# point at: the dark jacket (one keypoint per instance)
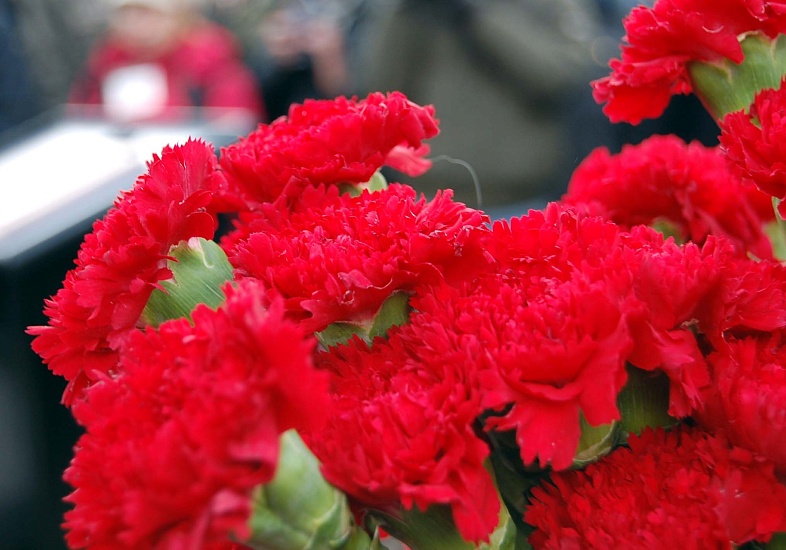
(500, 74)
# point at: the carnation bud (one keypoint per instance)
(298, 509)
(725, 87)
(595, 442)
(644, 401)
(393, 312)
(199, 269)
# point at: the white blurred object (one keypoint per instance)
(62, 178)
(54, 180)
(136, 92)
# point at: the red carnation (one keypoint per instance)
(176, 443)
(675, 283)
(121, 262)
(546, 332)
(555, 243)
(402, 432)
(337, 258)
(755, 143)
(750, 300)
(556, 356)
(664, 39)
(748, 394)
(342, 141)
(679, 489)
(663, 179)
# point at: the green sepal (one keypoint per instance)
(376, 183)
(514, 481)
(668, 229)
(200, 268)
(644, 401)
(393, 312)
(434, 529)
(725, 87)
(360, 540)
(595, 442)
(337, 334)
(777, 236)
(776, 232)
(777, 542)
(298, 509)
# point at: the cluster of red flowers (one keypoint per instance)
(121, 262)
(337, 258)
(328, 142)
(663, 40)
(646, 495)
(527, 329)
(754, 144)
(175, 443)
(688, 190)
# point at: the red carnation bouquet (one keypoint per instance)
(354, 366)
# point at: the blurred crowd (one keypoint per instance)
(509, 78)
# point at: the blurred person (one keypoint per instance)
(502, 75)
(56, 37)
(42, 45)
(299, 49)
(160, 56)
(18, 97)
(307, 50)
(304, 54)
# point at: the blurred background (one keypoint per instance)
(90, 89)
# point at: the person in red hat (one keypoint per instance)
(159, 59)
